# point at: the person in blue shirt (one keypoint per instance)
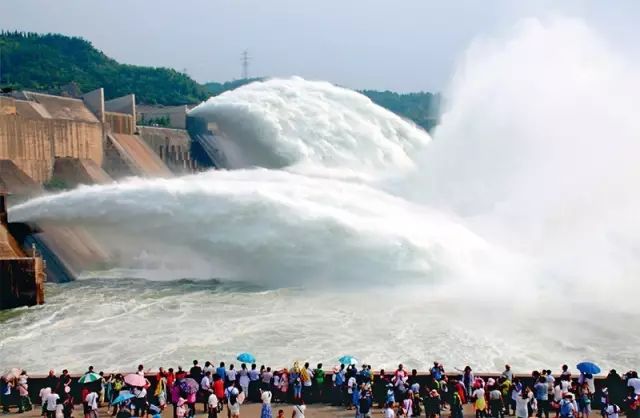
(541, 391)
(221, 371)
(437, 371)
(338, 385)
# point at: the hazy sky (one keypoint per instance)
(403, 45)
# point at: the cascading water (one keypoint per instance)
(346, 229)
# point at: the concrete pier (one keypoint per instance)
(21, 276)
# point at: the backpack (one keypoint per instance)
(566, 409)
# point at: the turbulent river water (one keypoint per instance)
(511, 235)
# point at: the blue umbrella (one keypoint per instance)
(246, 358)
(348, 360)
(588, 367)
(121, 398)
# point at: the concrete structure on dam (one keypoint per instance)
(22, 276)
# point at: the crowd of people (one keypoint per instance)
(401, 394)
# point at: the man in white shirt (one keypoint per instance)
(206, 389)
(52, 401)
(44, 392)
(389, 412)
(634, 382)
(92, 404)
(212, 404)
(231, 375)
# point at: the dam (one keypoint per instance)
(52, 143)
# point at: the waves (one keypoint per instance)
(520, 212)
(285, 122)
(295, 229)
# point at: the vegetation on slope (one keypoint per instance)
(52, 62)
(57, 64)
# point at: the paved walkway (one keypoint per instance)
(252, 410)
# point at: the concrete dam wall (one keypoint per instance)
(51, 143)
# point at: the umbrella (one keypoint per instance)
(348, 360)
(588, 367)
(188, 385)
(122, 397)
(246, 358)
(89, 378)
(12, 373)
(135, 380)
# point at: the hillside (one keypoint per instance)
(55, 64)
(51, 62)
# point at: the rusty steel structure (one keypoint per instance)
(22, 276)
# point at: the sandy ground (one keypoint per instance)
(252, 410)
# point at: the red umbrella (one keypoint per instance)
(135, 380)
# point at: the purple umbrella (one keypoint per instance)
(188, 385)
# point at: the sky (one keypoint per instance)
(401, 45)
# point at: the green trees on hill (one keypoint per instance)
(422, 108)
(55, 63)
(51, 62)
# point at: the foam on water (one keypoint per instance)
(497, 241)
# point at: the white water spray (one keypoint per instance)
(517, 219)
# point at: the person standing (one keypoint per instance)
(51, 381)
(206, 389)
(244, 380)
(480, 402)
(507, 373)
(266, 379)
(221, 371)
(208, 367)
(615, 384)
(212, 405)
(231, 376)
(388, 411)
(307, 383)
(266, 412)
(338, 380)
(24, 403)
(495, 402)
(432, 405)
(254, 383)
(437, 371)
(233, 406)
(91, 405)
(522, 404)
(298, 409)
(467, 380)
(567, 407)
(457, 405)
(160, 392)
(196, 372)
(51, 404)
(541, 390)
(633, 381)
(319, 383)
(407, 404)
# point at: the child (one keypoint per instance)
(59, 409)
(280, 413)
(212, 405)
(181, 411)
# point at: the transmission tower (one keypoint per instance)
(245, 64)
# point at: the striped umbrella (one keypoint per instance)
(89, 378)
